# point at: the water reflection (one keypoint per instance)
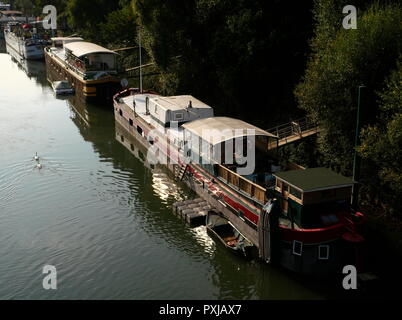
(33, 69)
(163, 185)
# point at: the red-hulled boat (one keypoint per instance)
(299, 218)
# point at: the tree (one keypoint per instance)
(382, 144)
(243, 57)
(119, 29)
(26, 6)
(341, 61)
(85, 16)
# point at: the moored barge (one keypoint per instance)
(25, 40)
(90, 68)
(299, 218)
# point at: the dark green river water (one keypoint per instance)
(100, 216)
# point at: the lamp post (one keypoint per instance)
(356, 158)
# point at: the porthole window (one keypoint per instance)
(297, 248)
(279, 183)
(323, 252)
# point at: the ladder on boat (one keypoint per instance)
(180, 172)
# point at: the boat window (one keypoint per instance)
(131, 122)
(120, 112)
(285, 187)
(279, 183)
(297, 248)
(178, 116)
(323, 252)
(295, 192)
(156, 109)
(122, 138)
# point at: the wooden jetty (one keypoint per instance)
(193, 211)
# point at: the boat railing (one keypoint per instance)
(242, 184)
(295, 127)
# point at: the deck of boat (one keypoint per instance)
(140, 111)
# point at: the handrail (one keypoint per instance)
(252, 189)
(296, 127)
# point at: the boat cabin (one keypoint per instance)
(235, 151)
(312, 198)
(181, 109)
(90, 59)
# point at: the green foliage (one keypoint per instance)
(382, 143)
(341, 62)
(26, 6)
(119, 29)
(85, 16)
(241, 56)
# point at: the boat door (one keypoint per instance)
(147, 105)
(267, 225)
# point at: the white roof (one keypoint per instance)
(82, 48)
(179, 102)
(218, 129)
(10, 12)
(67, 39)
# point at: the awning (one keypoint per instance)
(82, 48)
(216, 130)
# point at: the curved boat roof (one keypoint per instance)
(216, 130)
(66, 38)
(82, 48)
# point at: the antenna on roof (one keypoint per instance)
(190, 105)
